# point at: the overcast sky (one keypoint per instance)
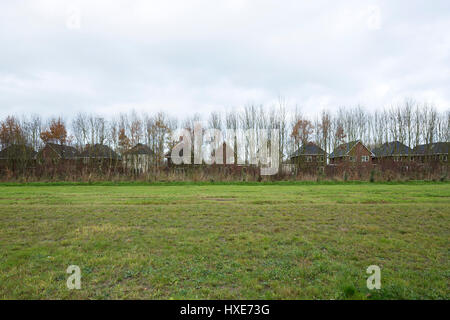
(61, 57)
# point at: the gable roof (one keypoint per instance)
(391, 149)
(433, 148)
(308, 149)
(343, 149)
(17, 151)
(99, 151)
(140, 149)
(63, 151)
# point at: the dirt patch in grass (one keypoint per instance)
(374, 202)
(220, 199)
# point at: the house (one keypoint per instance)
(354, 152)
(99, 151)
(17, 156)
(54, 153)
(433, 152)
(224, 155)
(99, 154)
(139, 159)
(309, 155)
(394, 151)
(17, 152)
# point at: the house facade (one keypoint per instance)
(139, 159)
(432, 153)
(17, 152)
(55, 153)
(17, 157)
(310, 157)
(352, 153)
(390, 152)
(101, 157)
(223, 155)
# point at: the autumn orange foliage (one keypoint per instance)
(56, 133)
(11, 132)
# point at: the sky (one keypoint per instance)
(58, 58)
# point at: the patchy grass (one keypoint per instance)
(207, 241)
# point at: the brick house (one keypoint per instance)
(17, 157)
(394, 151)
(309, 156)
(100, 156)
(433, 152)
(224, 155)
(55, 153)
(99, 151)
(354, 152)
(139, 159)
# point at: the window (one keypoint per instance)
(365, 158)
(444, 158)
(308, 159)
(351, 158)
(321, 159)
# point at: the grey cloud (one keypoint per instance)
(183, 56)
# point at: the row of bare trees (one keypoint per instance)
(411, 123)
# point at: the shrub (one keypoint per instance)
(372, 176)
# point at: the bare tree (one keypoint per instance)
(33, 129)
(232, 124)
(80, 129)
(302, 131)
(325, 129)
(215, 120)
(136, 128)
(159, 132)
(408, 121)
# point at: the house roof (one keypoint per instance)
(17, 151)
(140, 149)
(308, 149)
(391, 149)
(99, 151)
(343, 149)
(433, 148)
(63, 151)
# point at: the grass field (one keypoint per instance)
(304, 241)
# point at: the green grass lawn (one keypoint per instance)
(304, 241)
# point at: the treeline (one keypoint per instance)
(411, 123)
